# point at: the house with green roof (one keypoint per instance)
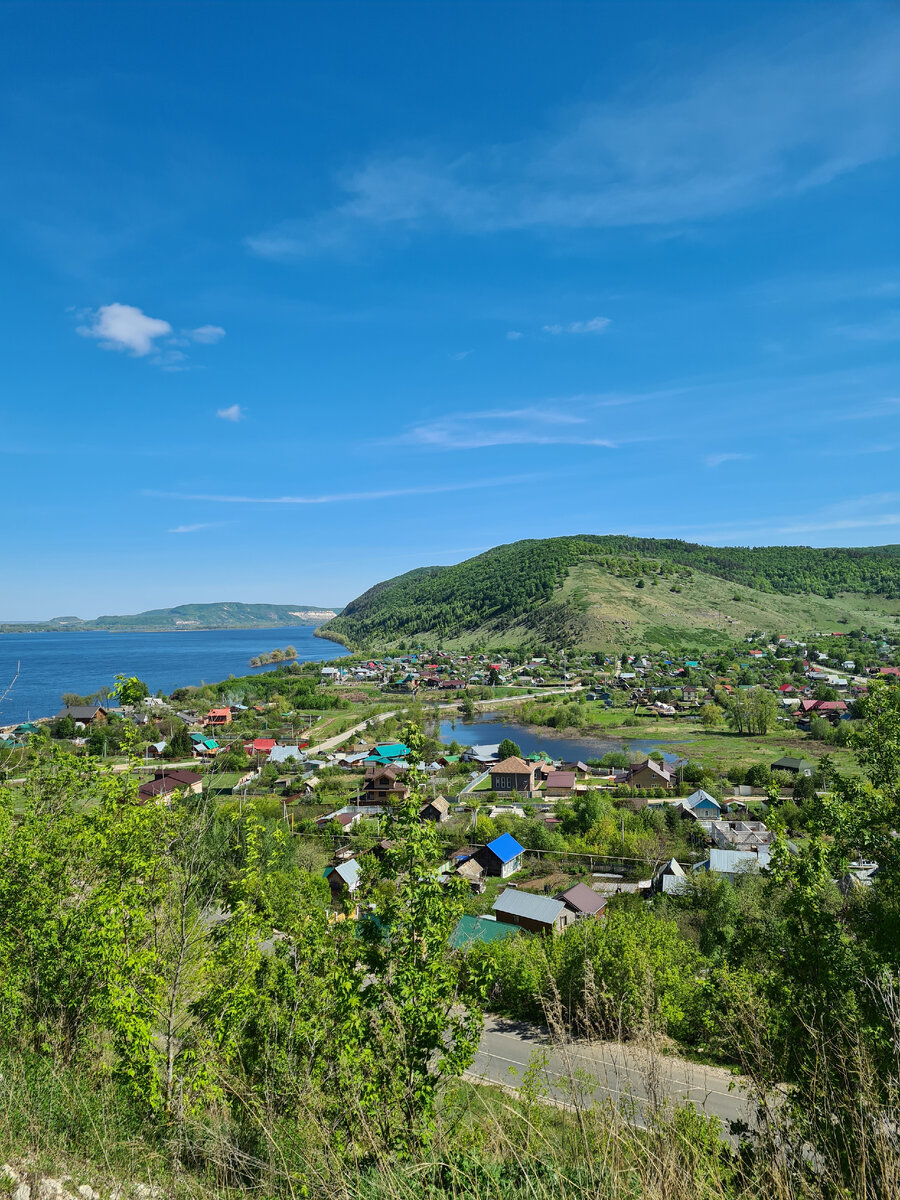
(479, 929)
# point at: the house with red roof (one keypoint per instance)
(260, 746)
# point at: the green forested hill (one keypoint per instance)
(605, 591)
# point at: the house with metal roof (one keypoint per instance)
(583, 901)
(390, 752)
(670, 879)
(503, 856)
(483, 754)
(342, 879)
(560, 783)
(281, 754)
(480, 929)
(527, 910)
(796, 766)
(84, 714)
(702, 805)
(735, 862)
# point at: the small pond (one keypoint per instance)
(492, 727)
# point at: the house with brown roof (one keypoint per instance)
(512, 775)
(583, 901)
(651, 774)
(560, 783)
(384, 785)
(163, 786)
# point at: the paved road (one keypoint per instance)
(583, 1073)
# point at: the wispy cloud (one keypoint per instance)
(207, 335)
(127, 328)
(565, 421)
(858, 512)
(233, 412)
(514, 335)
(195, 528)
(885, 328)
(783, 117)
(594, 325)
(460, 355)
(716, 460)
(530, 426)
(347, 497)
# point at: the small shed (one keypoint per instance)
(503, 856)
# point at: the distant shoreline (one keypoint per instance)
(14, 630)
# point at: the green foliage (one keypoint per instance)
(129, 690)
(512, 584)
(180, 745)
(611, 976)
(754, 711)
(509, 749)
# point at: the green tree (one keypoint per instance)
(180, 745)
(410, 1022)
(712, 716)
(130, 690)
(509, 749)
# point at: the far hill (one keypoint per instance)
(223, 615)
(615, 592)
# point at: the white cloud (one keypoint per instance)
(594, 325)
(124, 327)
(513, 335)
(234, 412)
(195, 528)
(776, 118)
(207, 334)
(460, 355)
(345, 497)
(716, 460)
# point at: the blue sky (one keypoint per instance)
(299, 296)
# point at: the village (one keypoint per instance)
(541, 839)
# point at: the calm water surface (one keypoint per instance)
(491, 728)
(53, 663)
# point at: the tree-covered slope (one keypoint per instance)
(563, 589)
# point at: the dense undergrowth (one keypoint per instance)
(178, 1004)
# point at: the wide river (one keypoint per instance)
(52, 663)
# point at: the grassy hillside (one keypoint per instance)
(221, 615)
(616, 592)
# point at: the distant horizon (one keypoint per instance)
(110, 612)
(375, 309)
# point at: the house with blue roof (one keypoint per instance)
(503, 856)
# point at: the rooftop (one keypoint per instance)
(512, 902)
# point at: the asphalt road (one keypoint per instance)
(583, 1073)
